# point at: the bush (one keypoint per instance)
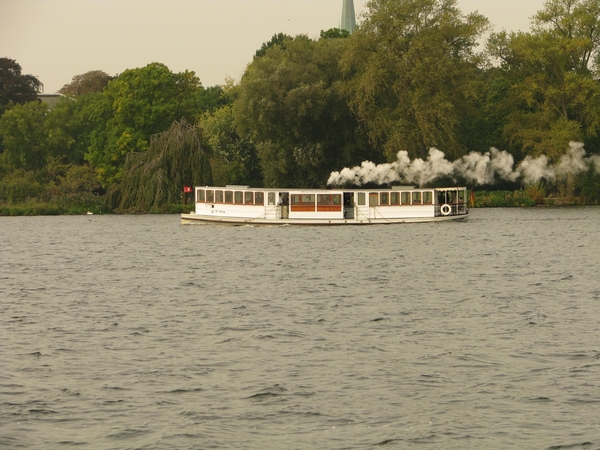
(19, 186)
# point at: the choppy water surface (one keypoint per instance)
(134, 332)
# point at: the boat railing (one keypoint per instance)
(451, 209)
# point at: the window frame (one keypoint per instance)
(329, 202)
(428, 194)
(302, 202)
(416, 195)
(239, 194)
(210, 196)
(382, 196)
(405, 195)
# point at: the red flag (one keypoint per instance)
(187, 189)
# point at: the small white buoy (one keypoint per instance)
(89, 213)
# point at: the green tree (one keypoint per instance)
(554, 94)
(209, 99)
(334, 33)
(19, 185)
(70, 124)
(92, 81)
(234, 159)
(154, 179)
(23, 135)
(15, 87)
(413, 73)
(291, 104)
(278, 39)
(134, 106)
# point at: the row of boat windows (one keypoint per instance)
(375, 198)
(234, 197)
(396, 198)
(258, 198)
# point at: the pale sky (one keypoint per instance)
(58, 39)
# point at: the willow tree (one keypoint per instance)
(154, 179)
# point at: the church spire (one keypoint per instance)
(348, 16)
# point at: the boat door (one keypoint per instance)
(284, 205)
(348, 205)
(373, 204)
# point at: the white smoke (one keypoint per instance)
(476, 168)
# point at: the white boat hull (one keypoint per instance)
(202, 219)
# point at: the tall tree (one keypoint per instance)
(15, 87)
(234, 158)
(23, 136)
(291, 103)
(278, 39)
(139, 103)
(552, 71)
(412, 71)
(92, 81)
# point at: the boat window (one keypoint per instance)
(303, 202)
(238, 197)
(462, 195)
(218, 196)
(323, 199)
(200, 197)
(416, 198)
(329, 202)
(395, 198)
(228, 196)
(405, 197)
(260, 198)
(248, 197)
(427, 198)
(303, 199)
(373, 198)
(441, 197)
(361, 199)
(385, 198)
(271, 198)
(210, 196)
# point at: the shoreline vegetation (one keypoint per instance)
(516, 119)
(482, 199)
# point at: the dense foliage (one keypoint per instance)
(410, 78)
(15, 87)
(154, 178)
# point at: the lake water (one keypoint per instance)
(135, 332)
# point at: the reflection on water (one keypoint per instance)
(135, 332)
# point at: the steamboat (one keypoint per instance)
(242, 205)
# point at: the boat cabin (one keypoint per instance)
(396, 204)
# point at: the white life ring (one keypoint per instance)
(446, 209)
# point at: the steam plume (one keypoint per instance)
(475, 168)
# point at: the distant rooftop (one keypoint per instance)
(49, 99)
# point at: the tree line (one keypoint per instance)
(416, 74)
